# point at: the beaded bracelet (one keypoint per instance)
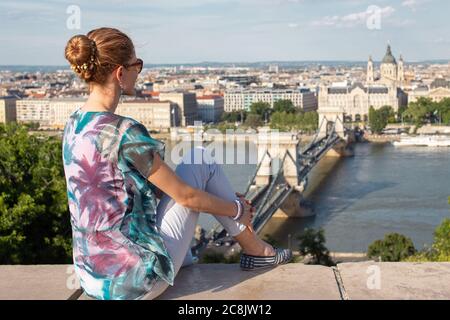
(240, 210)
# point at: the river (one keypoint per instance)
(358, 200)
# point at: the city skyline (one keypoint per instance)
(35, 33)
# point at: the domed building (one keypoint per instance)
(391, 72)
(354, 99)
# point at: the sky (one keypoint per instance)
(34, 32)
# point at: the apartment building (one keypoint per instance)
(302, 98)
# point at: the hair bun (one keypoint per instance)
(81, 53)
(95, 55)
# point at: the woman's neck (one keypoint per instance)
(102, 99)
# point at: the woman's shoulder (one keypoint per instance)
(130, 124)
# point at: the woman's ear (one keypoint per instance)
(118, 74)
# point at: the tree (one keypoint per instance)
(444, 111)
(253, 120)
(310, 121)
(307, 121)
(284, 106)
(312, 243)
(394, 247)
(234, 116)
(34, 216)
(425, 110)
(401, 110)
(387, 114)
(260, 108)
(377, 120)
(440, 249)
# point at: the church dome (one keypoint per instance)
(388, 57)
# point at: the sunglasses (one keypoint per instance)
(139, 63)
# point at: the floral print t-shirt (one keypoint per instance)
(118, 252)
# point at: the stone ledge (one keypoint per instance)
(397, 280)
(295, 281)
(37, 282)
(292, 281)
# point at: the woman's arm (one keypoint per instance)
(162, 176)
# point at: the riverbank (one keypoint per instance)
(381, 138)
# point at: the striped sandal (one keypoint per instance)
(281, 256)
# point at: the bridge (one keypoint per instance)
(281, 175)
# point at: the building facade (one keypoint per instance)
(187, 105)
(61, 109)
(34, 111)
(236, 100)
(355, 100)
(8, 111)
(54, 113)
(153, 114)
(210, 108)
(439, 89)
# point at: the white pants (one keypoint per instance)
(177, 223)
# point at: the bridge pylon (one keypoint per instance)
(329, 118)
(278, 173)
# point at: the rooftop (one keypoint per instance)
(389, 58)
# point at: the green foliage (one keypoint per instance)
(378, 119)
(253, 120)
(440, 250)
(417, 111)
(388, 114)
(401, 110)
(394, 247)
(216, 257)
(306, 121)
(426, 110)
(234, 116)
(260, 108)
(312, 243)
(284, 106)
(270, 240)
(221, 126)
(32, 125)
(443, 108)
(441, 242)
(34, 217)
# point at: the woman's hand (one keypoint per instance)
(253, 209)
(248, 214)
(242, 197)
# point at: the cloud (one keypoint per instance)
(354, 19)
(442, 41)
(413, 4)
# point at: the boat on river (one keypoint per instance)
(423, 140)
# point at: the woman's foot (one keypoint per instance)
(252, 245)
(258, 254)
(249, 263)
(263, 249)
